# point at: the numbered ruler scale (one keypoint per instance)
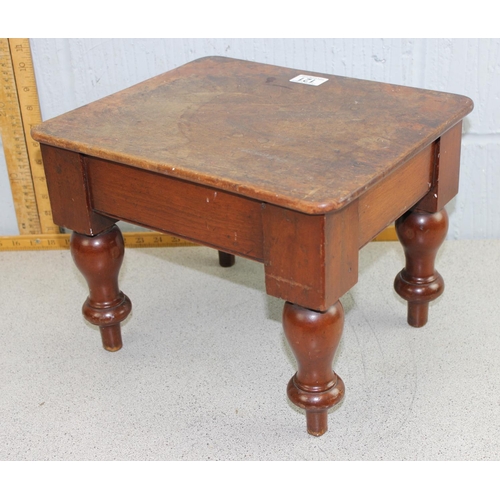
(137, 239)
(19, 112)
(14, 143)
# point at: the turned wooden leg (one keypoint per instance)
(226, 259)
(421, 234)
(99, 259)
(314, 337)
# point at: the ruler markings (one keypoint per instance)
(137, 239)
(27, 94)
(14, 144)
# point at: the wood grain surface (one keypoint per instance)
(245, 128)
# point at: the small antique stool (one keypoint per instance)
(297, 171)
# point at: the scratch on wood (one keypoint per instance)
(290, 282)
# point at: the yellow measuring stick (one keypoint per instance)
(14, 146)
(136, 239)
(388, 234)
(27, 94)
(61, 241)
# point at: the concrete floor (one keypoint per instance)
(204, 367)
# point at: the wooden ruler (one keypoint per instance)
(14, 145)
(388, 234)
(61, 241)
(22, 64)
(137, 239)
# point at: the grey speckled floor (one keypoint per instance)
(203, 371)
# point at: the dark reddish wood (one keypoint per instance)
(99, 259)
(226, 259)
(314, 337)
(69, 192)
(386, 201)
(233, 155)
(446, 171)
(204, 215)
(421, 235)
(310, 259)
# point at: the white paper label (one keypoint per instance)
(309, 80)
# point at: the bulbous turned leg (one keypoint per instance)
(314, 337)
(226, 259)
(99, 259)
(421, 234)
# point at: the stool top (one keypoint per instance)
(244, 127)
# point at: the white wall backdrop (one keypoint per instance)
(74, 72)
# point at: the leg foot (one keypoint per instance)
(421, 235)
(226, 259)
(99, 259)
(111, 337)
(314, 337)
(317, 422)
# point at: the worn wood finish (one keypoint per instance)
(421, 235)
(310, 260)
(233, 155)
(243, 127)
(314, 337)
(99, 259)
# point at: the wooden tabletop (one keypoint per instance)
(244, 127)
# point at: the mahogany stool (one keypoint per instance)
(296, 171)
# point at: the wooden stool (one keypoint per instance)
(295, 171)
